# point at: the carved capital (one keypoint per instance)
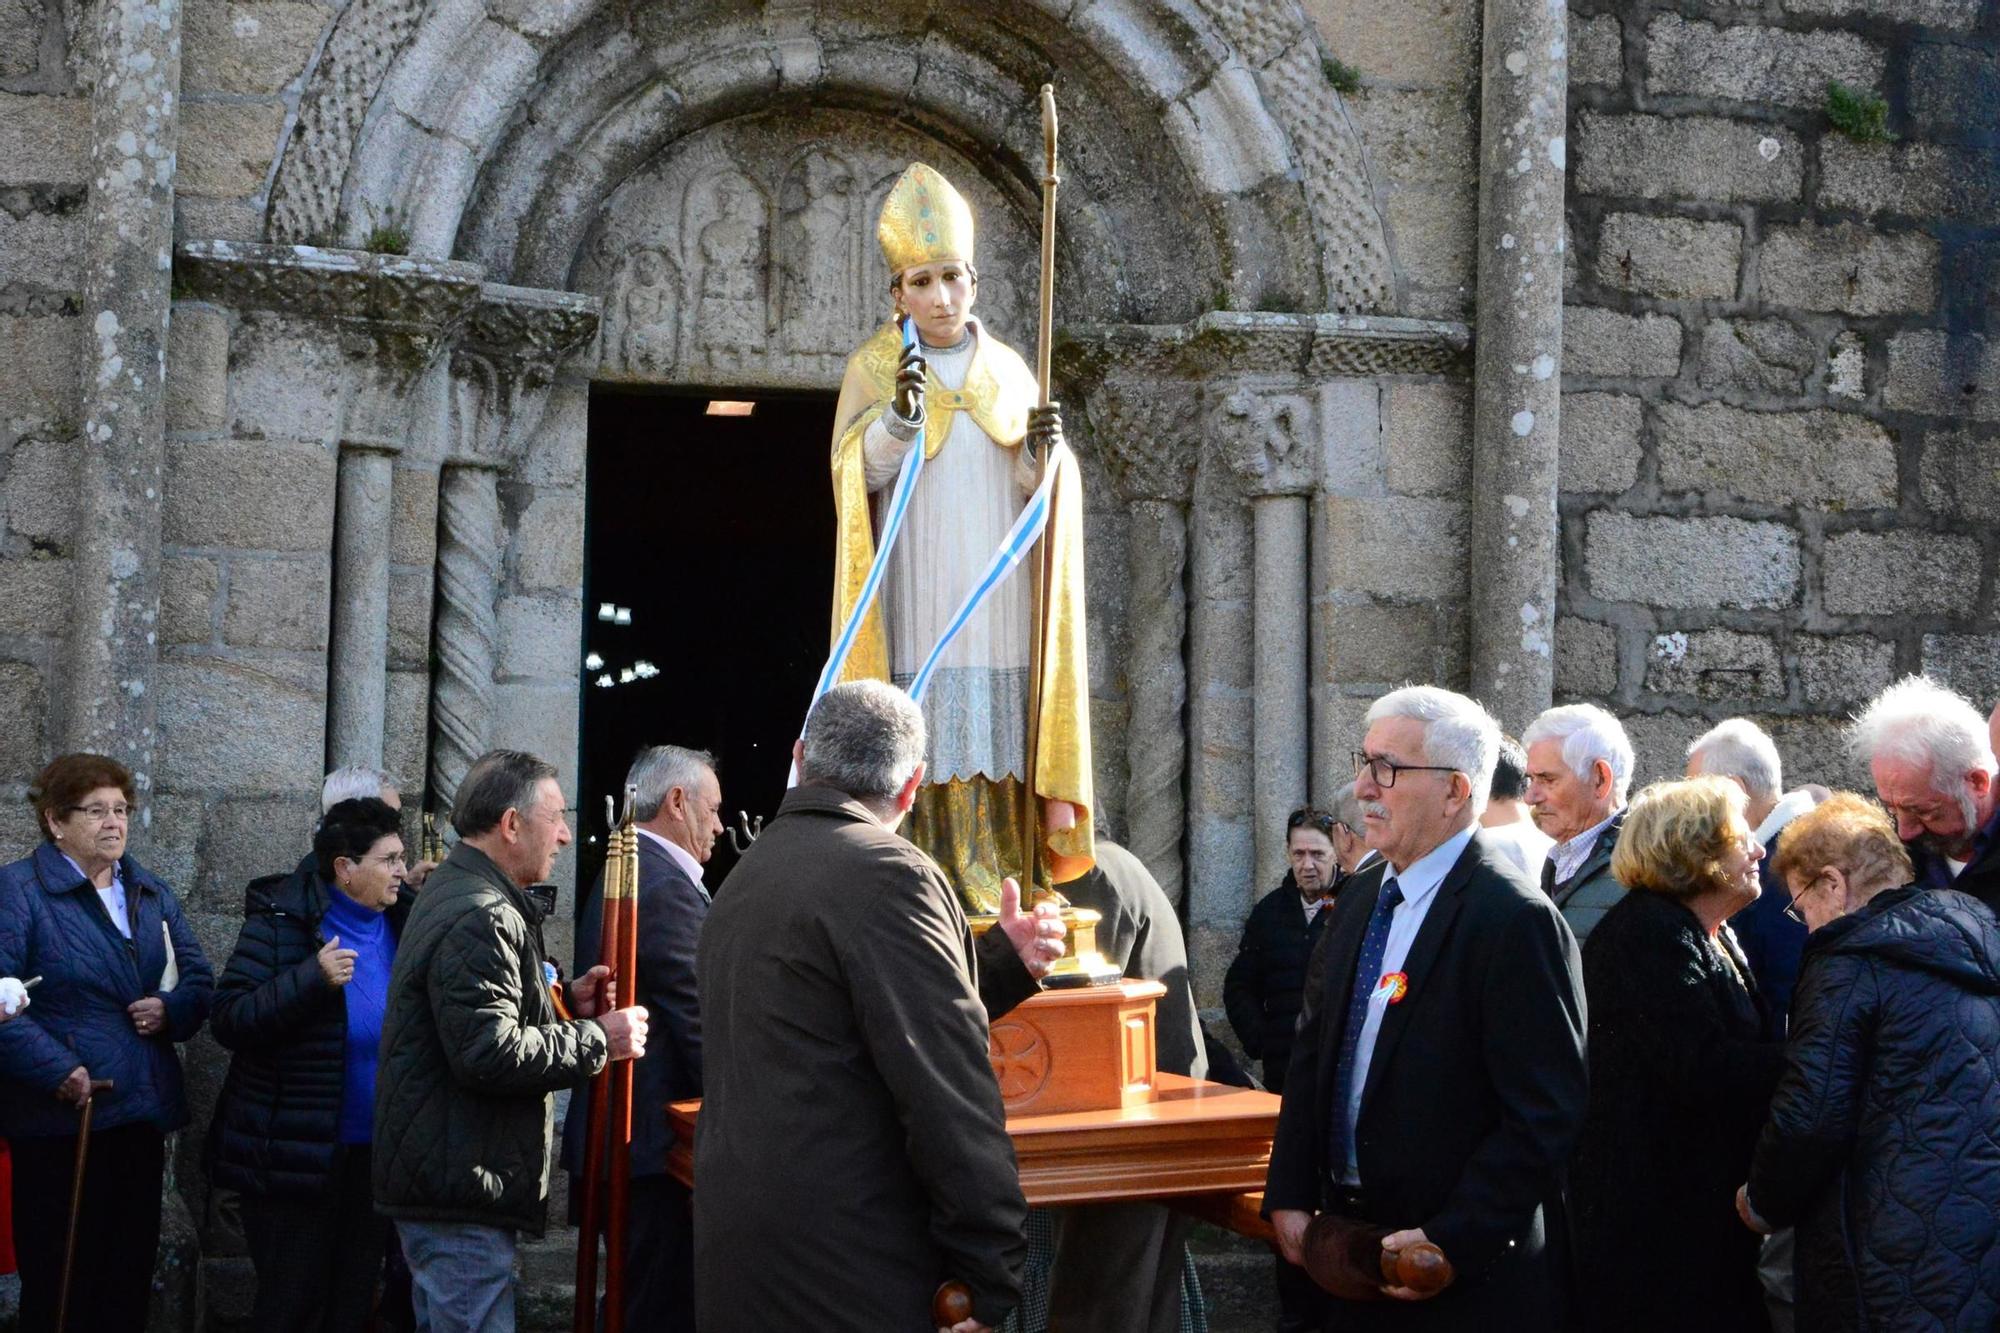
(1263, 343)
(1148, 434)
(1266, 437)
(394, 311)
(530, 331)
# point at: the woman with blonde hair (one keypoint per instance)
(1881, 1147)
(1680, 1076)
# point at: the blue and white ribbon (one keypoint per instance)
(1014, 548)
(892, 523)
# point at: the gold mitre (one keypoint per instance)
(923, 221)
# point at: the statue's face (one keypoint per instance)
(939, 297)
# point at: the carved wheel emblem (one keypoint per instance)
(1020, 1059)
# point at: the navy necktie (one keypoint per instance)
(1367, 972)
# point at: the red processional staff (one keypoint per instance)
(607, 1133)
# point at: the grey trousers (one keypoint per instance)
(461, 1276)
(1118, 1268)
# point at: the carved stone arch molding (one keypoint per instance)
(1208, 163)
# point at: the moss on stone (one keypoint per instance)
(1861, 116)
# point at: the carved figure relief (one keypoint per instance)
(818, 305)
(745, 253)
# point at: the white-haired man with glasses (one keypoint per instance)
(1579, 771)
(1407, 1105)
(1931, 756)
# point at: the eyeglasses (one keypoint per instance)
(1382, 772)
(97, 814)
(1307, 817)
(397, 859)
(1792, 907)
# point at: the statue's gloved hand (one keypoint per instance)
(910, 385)
(1045, 430)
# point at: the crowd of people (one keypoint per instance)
(1717, 1054)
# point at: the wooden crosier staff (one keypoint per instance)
(1041, 569)
(607, 1165)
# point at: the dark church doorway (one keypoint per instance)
(708, 571)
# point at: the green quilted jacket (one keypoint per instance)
(472, 1056)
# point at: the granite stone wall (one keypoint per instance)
(1781, 383)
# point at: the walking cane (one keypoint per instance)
(97, 1085)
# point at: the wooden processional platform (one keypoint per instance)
(1094, 1121)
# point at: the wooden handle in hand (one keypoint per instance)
(1421, 1267)
(952, 1305)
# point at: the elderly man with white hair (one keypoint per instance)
(1741, 751)
(1437, 1079)
(1931, 756)
(1579, 770)
(356, 782)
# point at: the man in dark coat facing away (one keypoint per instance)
(852, 1152)
(678, 815)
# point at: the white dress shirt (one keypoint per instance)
(1419, 884)
(680, 857)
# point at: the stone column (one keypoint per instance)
(134, 69)
(468, 628)
(1280, 708)
(1156, 552)
(358, 675)
(1518, 356)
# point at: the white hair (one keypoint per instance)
(1589, 735)
(1919, 721)
(1740, 749)
(661, 768)
(1458, 733)
(353, 783)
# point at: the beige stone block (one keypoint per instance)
(1848, 268)
(1423, 44)
(1600, 442)
(240, 726)
(197, 370)
(1918, 180)
(1608, 344)
(43, 383)
(22, 26)
(1427, 438)
(548, 543)
(406, 717)
(1434, 232)
(247, 48)
(1814, 457)
(1953, 88)
(277, 604)
(1419, 136)
(244, 839)
(43, 250)
(413, 517)
(1687, 158)
(1400, 546)
(1841, 670)
(44, 139)
(34, 596)
(40, 490)
(226, 149)
(1755, 356)
(1659, 744)
(541, 637)
(189, 586)
(254, 494)
(1959, 15)
(1675, 258)
(1754, 63)
(1714, 665)
(1586, 662)
(1968, 663)
(1900, 573)
(1596, 50)
(1691, 562)
(1960, 474)
(25, 706)
(409, 619)
(1944, 375)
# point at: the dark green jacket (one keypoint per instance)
(472, 1055)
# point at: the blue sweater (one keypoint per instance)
(367, 933)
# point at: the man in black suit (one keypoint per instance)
(1437, 1083)
(678, 816)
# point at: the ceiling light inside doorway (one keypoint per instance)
(730, 407)
(593, 662)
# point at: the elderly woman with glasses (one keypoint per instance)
(1680, 1076)
(1881, 1147)
(300, 1005)
(123, 981)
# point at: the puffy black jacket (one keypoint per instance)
(277, 1125)
(1882, 1147)
(473, 1053)
(1262, 989)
